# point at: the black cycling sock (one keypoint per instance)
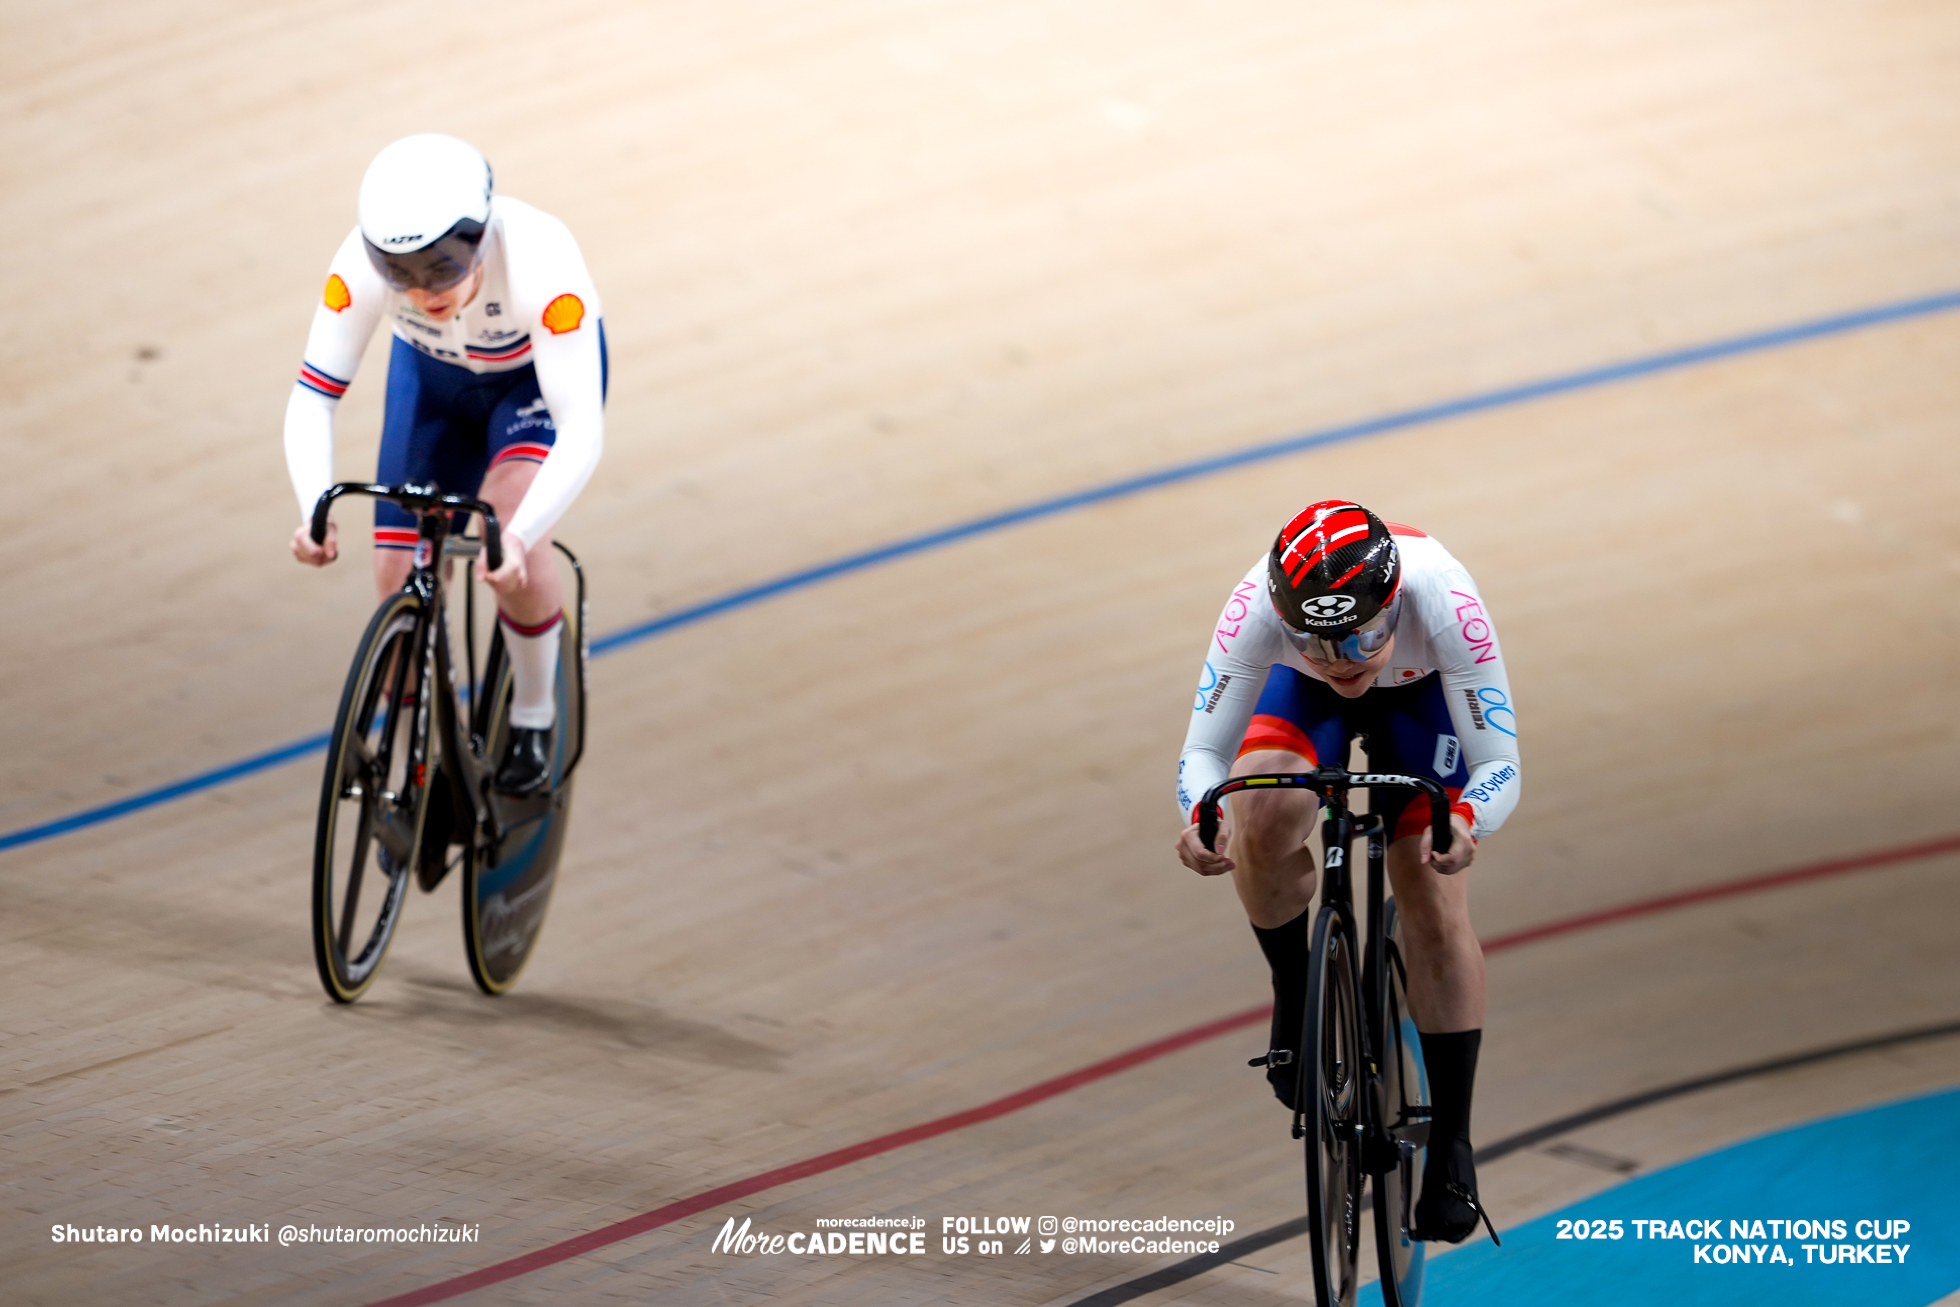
(1286, 948)
(1452, 1063)
(1451, 1060)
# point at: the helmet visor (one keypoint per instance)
(1355, 645)
(437, 266)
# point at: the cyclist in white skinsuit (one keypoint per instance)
(1356, 627)
(496, 388)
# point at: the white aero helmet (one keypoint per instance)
(425, 203)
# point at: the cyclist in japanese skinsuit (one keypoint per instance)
(496, 387)
(1356, 627)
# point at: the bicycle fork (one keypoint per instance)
(1337, 831)
(1381, 1151)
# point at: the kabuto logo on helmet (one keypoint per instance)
(1333, 568)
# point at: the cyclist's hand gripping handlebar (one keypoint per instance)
(416, 499)
(1324, 783)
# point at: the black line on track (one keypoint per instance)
(1632, 1102)
(1178, 1272)
(109, 1062)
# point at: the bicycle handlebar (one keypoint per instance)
(1324, 782)
(416, 499)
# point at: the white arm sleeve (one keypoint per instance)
(1479, 697)
(552, 289)
(349, 308)
(309, 445)
(1242, 649)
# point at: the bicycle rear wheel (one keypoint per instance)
(1403, 1111)
(1331, 1081)
(372, 801)
(507, 885)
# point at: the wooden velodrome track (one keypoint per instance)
(895, 845)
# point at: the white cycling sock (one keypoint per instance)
(534, 671)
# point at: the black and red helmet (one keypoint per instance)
(1335, 578)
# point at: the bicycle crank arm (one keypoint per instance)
(1381, 1154)
(389, 834)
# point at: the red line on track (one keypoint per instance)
(672, 1212)
(999, 1107)
(1726, 889)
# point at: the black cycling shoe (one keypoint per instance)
(1448, 1210)
(1283, 1064)
(1282, 1073)
(527, 761)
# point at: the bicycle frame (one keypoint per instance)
(464, 751)
(1338, 829)
(436, 791)
(1350, 1061)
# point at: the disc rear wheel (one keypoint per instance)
(1404, 1114)
(507, 882)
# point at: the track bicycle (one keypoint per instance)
(411, 760)
(1362, 1103)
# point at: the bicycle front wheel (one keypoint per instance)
(1331, 1081)
(372, 801)
(1403, 1111)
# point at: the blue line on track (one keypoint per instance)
(1586, 379)
(151, 798)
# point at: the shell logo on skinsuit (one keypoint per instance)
(336, 297)
(564, 314)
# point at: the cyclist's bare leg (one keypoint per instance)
(1275, 870)
(1446, 964)
(1275, 877)
(391, 568)
(543, 593)
(503, 489)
